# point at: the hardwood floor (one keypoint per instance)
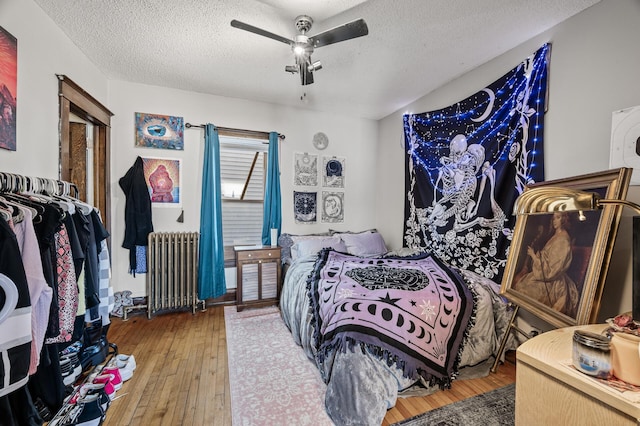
(182, 376)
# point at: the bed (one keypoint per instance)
(351, 306)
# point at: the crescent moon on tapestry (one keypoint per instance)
(492, 98)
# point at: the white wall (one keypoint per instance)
(43, 51)
(351, 138)
(593, 72)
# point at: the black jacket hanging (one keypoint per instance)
(137, 211)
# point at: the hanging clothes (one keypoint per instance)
(58, 243)
(67, 288)
(15, 333)
(107, 297)
(40, 293)
(50, 221)
(93, 267)
(137, 211)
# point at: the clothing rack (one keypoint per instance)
(53, 245)
(228, 131)
(11, 182)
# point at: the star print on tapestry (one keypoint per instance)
(467, 163)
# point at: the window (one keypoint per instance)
(243, 163)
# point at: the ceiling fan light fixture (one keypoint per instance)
(315, 66)
(303, 45)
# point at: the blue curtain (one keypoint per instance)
(211, 282)
(272, 211)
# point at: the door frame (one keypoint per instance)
(75, 99)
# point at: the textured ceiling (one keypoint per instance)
(413, 46)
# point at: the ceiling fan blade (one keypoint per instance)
(354, 29)
(260, 31)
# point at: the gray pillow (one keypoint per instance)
(364, 244)
(285, 241)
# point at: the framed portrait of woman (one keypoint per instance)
(558, 260)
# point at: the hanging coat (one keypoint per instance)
(137, 211)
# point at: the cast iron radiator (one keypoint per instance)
(172, 271)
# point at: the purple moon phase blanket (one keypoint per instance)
(411, 311)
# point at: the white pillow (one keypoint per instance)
(309, 246)
(365, 244)
(298, 238)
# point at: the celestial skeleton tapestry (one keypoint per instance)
(467, 163)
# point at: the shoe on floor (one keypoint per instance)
(90, 389)
(71, 368)
(126, 360)
(125, 372)
(108, 386)
(86, 412)
(117, 378)
(126, 364)
(91, 413)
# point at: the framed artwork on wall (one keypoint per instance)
(332, 207)
(333, 172)
(163, 176)
(159, 131)
(8, 89)
(305, 206)
(558, 261)
(305, 169)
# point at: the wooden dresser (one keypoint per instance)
(550, 393)
(258, 276)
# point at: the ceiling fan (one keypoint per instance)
(303, 45)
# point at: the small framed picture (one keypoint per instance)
(332, 207)
(159, 131)
(163, 176)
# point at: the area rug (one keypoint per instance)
(271, 379)
(494, 408)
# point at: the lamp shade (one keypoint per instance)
(547, 199)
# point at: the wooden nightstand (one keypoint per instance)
(550, 393)
(258, 276)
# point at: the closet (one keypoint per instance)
(54, 307)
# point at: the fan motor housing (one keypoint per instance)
(304, 23)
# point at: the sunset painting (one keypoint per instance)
(8, 89)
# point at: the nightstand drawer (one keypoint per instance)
(258, 254)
